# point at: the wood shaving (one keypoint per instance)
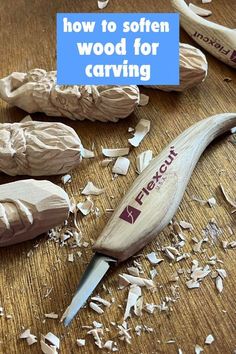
(152, 257)
(126, 279)
(91, 189)
(153, 273)
(212, 202)
(209, 339)
(206, 1)
(121, 166)
(219, 284)
(191, 284)
(97, 324)
(96, 308)
(143, 160)
(115, 152)
(30, 338)
(232, 244)
(51, 315)
(133, 271)
(198, 349)
(106, 162)
(80, 342)
(102, 4)
(66, 179)
(86, 207)
(138, 307)
(222, 273)
(186, 225)
(199, 10)
(124, 332)
(141, 129)
(70, 257)
(169, 254)
(101, 300)
(227, 197)
(54, 343)
(150, 308)
(96, 336)
(87, 154)
(133, 296)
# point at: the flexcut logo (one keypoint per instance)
(130, 214)
(216, 44)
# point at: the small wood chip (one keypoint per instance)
(219, 284)
(96, 308)
(209, 339)
(141, 129)
(121, 166)
(91, 189)
(80, 342)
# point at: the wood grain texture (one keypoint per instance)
(27, 34)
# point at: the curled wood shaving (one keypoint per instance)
(227, 197)
(121, 166)
(199, 10)
(133, 296)
(209, 339)
(126, 279)
(115, 152)
(91, 189)
(141, 129)
(143, 160)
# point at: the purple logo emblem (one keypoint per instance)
(130, 214)
(233, 56)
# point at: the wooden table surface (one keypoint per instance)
(27, 37)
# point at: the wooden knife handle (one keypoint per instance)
(218, 40)
(155, 195)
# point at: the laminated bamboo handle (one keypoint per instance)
(155, 195)
(218, 40)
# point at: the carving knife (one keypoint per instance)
(149, 205)
(218, 40)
